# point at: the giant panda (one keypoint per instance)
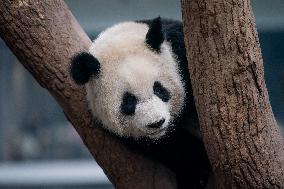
(138, 86)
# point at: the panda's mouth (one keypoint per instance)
(157, 131)
(157, 128)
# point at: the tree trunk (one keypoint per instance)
(44, 35)
(241, 136)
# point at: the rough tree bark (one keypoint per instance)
(241, 136)
(44, 35)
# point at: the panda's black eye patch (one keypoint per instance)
(161, 91)
(128, 105)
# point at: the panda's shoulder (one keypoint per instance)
(170, 27)
(173, 33)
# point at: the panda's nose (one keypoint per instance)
(156, 125)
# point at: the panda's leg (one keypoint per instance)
(193, 167)
(188, 179)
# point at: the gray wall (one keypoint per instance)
(94, 15)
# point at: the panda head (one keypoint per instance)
(132, 80)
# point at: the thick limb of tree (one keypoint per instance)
(241, 136)
(44, 35)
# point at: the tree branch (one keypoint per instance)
(44, 35)
(241, 136)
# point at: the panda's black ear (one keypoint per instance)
(155, 36)
(83, 65)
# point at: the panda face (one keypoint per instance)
(138, 92)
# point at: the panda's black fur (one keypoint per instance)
(181, 150)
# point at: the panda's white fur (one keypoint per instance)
(128, 64)
(138, 87)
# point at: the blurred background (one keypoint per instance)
(40, 149)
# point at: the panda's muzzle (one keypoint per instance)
(156, 125)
